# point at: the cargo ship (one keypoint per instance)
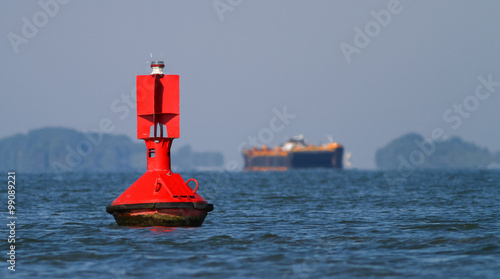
(296, 153)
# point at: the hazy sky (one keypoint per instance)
(364, 72)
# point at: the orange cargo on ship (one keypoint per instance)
(296, 153)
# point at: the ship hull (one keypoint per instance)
(295, 160)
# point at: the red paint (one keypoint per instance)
(157, 103)
(173, 189)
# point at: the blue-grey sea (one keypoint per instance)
(297, 224)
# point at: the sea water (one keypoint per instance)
(297, 224)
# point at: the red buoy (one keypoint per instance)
(159, 197)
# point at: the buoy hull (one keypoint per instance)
(170, 214)
(164, 218)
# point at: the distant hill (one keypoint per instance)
(57, 149)
(187, 159)
(411, 149)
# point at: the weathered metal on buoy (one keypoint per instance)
(159, 197)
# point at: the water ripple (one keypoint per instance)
(300, 224)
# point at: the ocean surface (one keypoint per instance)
(299, 224)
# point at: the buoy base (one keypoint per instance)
(160, 214)
(160, 219)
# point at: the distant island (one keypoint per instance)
(55, 149)
(412, 151)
